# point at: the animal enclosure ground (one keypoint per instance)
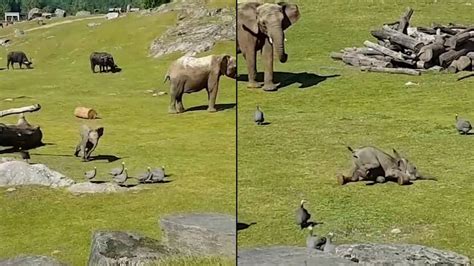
(299, 154)
(197, 148)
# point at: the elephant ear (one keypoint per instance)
(222, 62)
(247, 16)
(100, 131)
(292, 14)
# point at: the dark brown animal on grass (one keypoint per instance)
(18, 57)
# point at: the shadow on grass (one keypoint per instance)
(2, 68)
(243, 226)
(98, 181)
(219, 107)
(286, 79)
(465, 77)
(264, 124)
(108, 158)
(17, 149)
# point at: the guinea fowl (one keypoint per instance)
(463, 126)
(302, 216)
(25, 155)
(118, 170)
(91, 174)
(142, 178)
(314, 242)
(121, 178)
(258, 116)
(158, 175)
(329, 246)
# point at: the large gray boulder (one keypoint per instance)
(18, 173)
(108, 187)
(198, 29)
(289, 256)
(59, 13)
(34, 13)
(123, 248)
(399, 254)
(205, 234)
(31, 261)
(82, 13)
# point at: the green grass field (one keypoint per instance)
(197, 148)
(299, 154)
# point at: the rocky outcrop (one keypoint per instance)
(59, 13)
(198, 29)
(18, 173)
(122, 248)
(88, 187)
(200, 234)
(289, 256)
(82, 13)
(399, 254)
(34, 13)
(31, 261)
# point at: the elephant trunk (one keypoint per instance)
(277, 38)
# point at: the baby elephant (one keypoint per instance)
(189, 74)
(18, 57)
(89, 141)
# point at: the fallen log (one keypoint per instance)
(384, 50)
(460, 64)
(395, 37)
(406, 71)
(405, 21)
(423, 65)
(30, 109)
(448, 57)
(470, 55)
(459, 39)
(362, 50)
(20, 137)
(431, 52)
(362, 60)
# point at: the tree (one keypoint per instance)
(154, 3)
(27, 5)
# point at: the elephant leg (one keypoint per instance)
(212, 93)
(21, 65)
(353, 176)
(267, 55)
(179, 103)
(252, 69)
(78, 149)
(89, 148)
(173, 98)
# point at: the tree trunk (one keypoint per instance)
(406, 71)
(362, 60)
(384, 50)
(459, 39)
(431, 52)
(448, 57)
(31, 108)
(399, 38)
(405, 21)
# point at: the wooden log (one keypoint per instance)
(386, 51)
(363, 50)
(463, 63)
(403, 39)
(362, 60)
(20, 110)
(86, 113)
(470, 55)
(431, 52)
(405, 21)
(448, 57)
(405, 71)
(459, 39)
(426, 30)
(423, 65)
(20, 137)
(444, 29)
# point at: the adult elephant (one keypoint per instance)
(261, 28)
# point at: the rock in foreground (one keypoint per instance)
(289, 256)
(18, 173)
(108, 187)
(122, 248)
(200, 234)
(31, 261)
(399, 254)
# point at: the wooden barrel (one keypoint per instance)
(86, 113)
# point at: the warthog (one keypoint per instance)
(103, 60)
(18, 57)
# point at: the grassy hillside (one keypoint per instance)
(299, 154)
(197, 148)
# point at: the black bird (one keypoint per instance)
(302, 216)
(258, 116)
(463, 126)
(25, 155)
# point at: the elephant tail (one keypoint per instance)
(350, 149)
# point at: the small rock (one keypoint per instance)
(11, 189)
(8, 100)
(409, 83)
(162, 93)
(396, 231)
(154, 95)
(55, 252)
(149, 91)
(19, 33)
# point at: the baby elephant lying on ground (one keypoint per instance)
(189, 74)
(370, 163)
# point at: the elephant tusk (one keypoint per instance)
(270, 40)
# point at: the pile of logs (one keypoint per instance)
(22, 135)
(411, 50)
